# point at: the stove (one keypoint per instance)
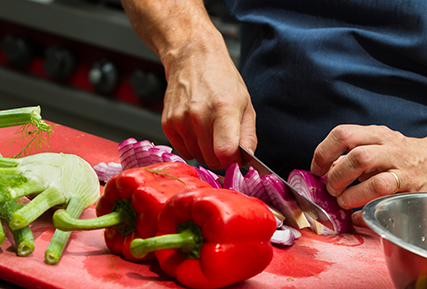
(83, 63)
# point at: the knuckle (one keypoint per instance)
(380, 186)
(360, 158)
(341, 134)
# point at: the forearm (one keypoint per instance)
(173, 29)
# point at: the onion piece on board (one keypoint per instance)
(314, 188)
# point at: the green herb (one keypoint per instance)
(34, 132)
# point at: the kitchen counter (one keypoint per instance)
(347, 261)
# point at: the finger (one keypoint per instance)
(176, 141)
(179, 131)
(381, 184)
(361, 161)
(357, 219)
(341, 139)
(205, 137)
(248, 137)
(226, 133)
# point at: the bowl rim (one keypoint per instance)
(368, 214)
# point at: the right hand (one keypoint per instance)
(207, 108)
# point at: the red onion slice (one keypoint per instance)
(270, 189)
(283, 237)
(127, 153)
(255, 187)
(283, 201)
(208, 176)
(314, 188)
(105, 172)
(234, 180)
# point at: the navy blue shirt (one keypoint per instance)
(311, 65)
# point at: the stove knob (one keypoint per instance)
(104, 75)
(147, 85)
(18, 51)
(59, 62)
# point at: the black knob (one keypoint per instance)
(148, 85)
(59, 62)
(17, 50)
(104, 75)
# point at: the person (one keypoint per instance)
(338, 87)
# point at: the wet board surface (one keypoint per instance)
(347, 261)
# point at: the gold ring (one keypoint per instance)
(397, 180)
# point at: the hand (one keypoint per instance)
(372, 152)
(207, 108)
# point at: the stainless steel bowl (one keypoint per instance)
(401, 221)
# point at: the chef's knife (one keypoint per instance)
(306, 205)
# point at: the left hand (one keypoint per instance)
(372, 153)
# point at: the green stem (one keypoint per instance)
(188, 240)
(8, 162)
(64, 221)
(60, 238)
(24, 240)
(32, 125)
(2, 233)
(34, 209)
(14, 185)
(17, 116)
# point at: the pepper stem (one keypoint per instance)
(188, 240)
(63, 221)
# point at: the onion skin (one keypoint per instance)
(314, 188)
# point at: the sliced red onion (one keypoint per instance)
(135, 154)
(166, 149)
(314, 188)
(170, 157)
(105, 172)
(296, 232)
(208, 176)
(270, 189)
(156, 155)
(254, 186)
(127, 154)
(234, 180)
(279, 223)
(283, 201)
(142, 153)
(283, 237)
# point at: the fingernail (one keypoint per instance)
(355, 219)
(331, 191)
(315, 170)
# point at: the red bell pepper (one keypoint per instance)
(210, 238)
(131, 202)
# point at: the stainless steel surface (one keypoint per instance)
(306, 205)
(401, 222)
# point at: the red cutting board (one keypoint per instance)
(348, 261)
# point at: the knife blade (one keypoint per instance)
(306, 205)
